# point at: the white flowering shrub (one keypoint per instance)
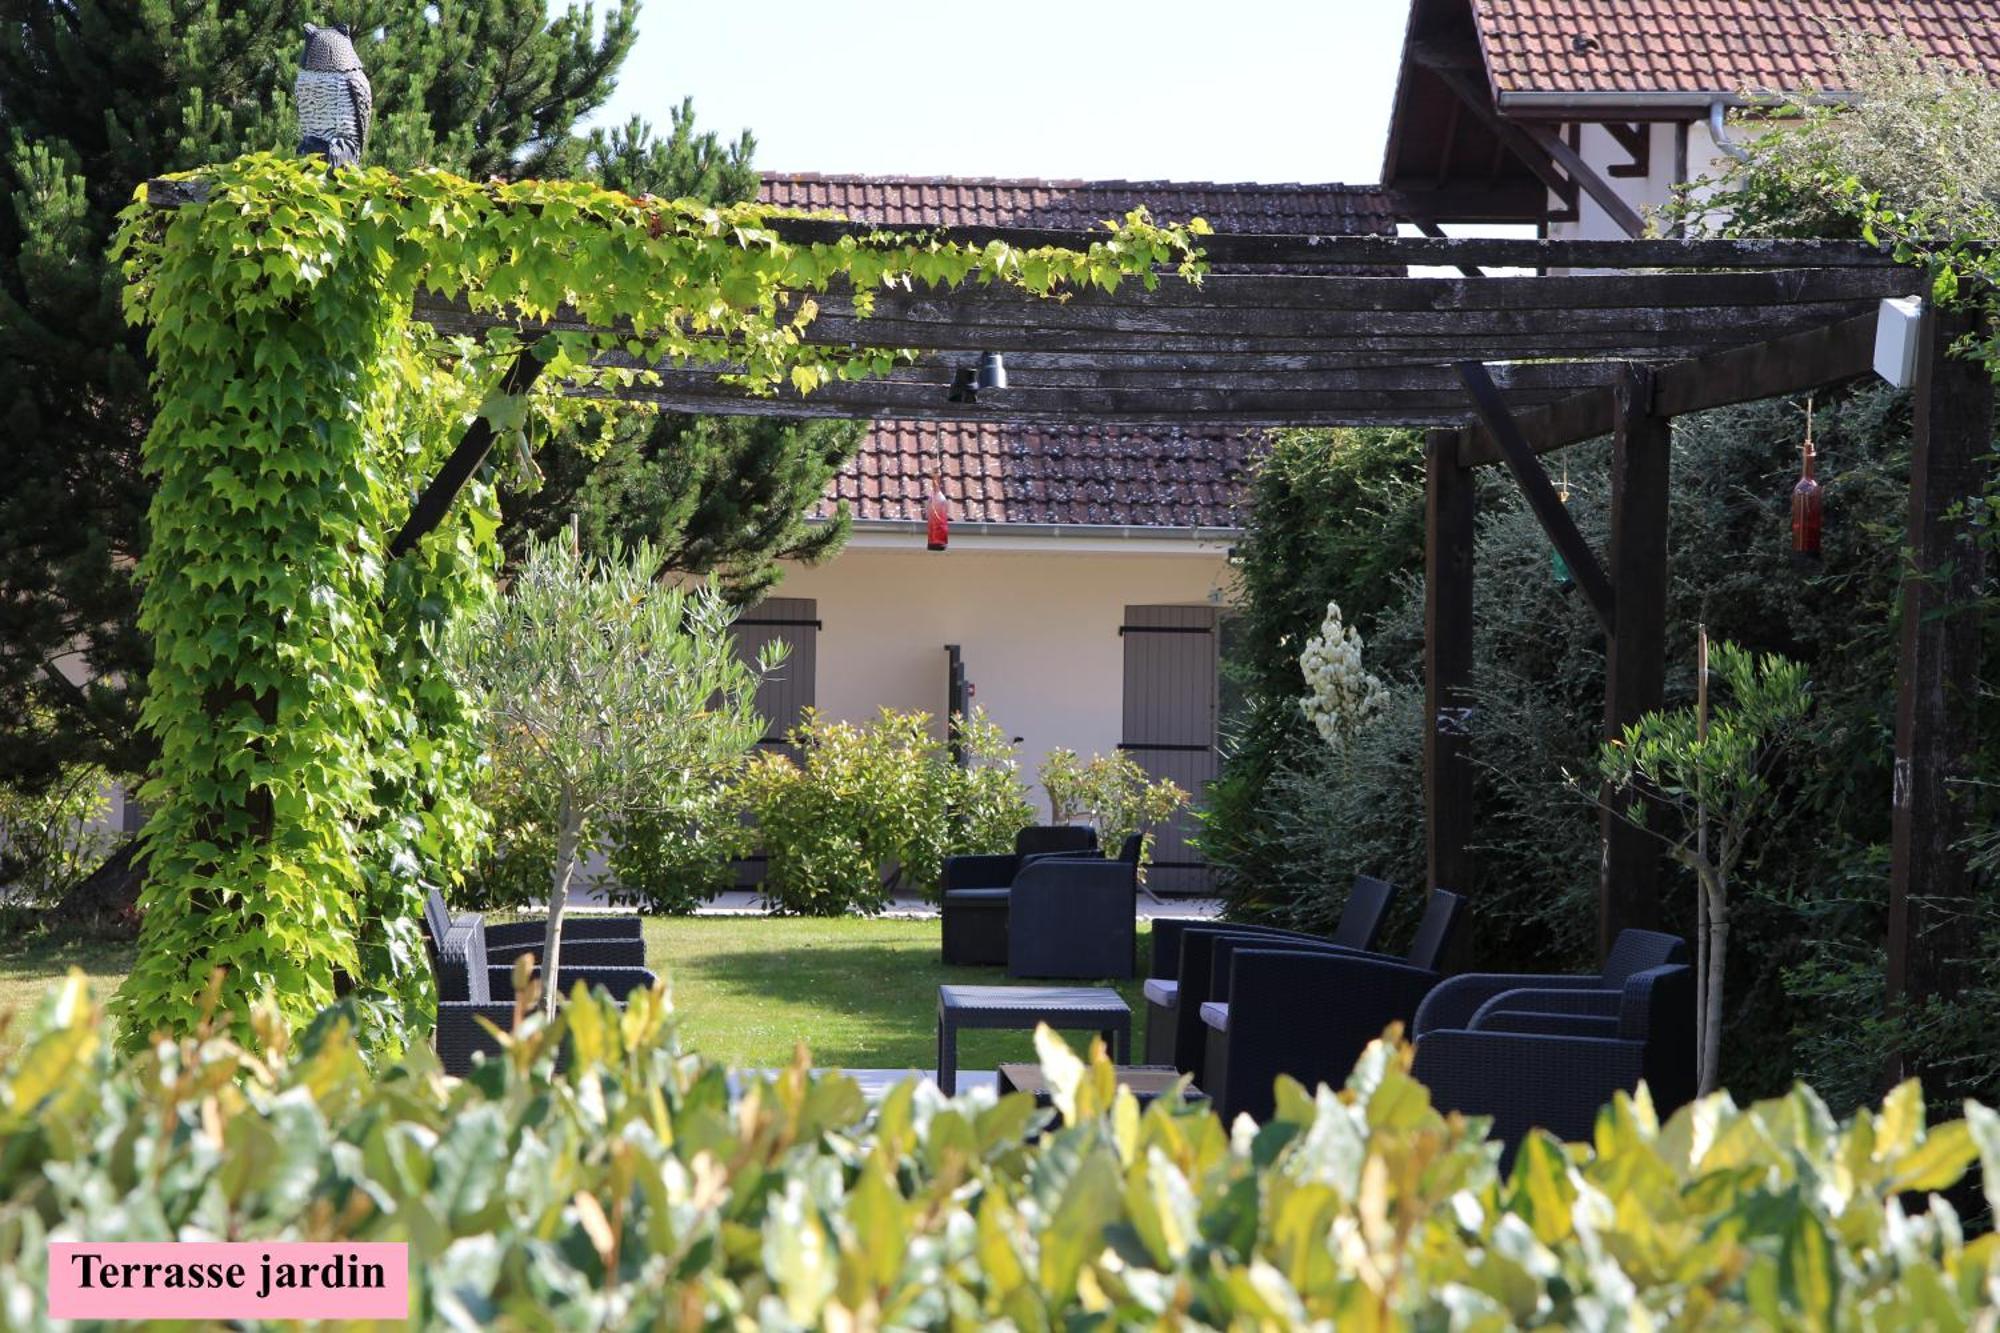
(1340, 695)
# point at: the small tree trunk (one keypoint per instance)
(1710, 1076)
(569, 831)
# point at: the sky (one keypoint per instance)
(1243, 90)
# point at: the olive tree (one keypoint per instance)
(611, 693)
(1710, 777)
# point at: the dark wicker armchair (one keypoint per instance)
(1074, 917)
(1530, 1059)
(973, 911)
(1167, 1042)
(1286, 1007)
(472, 987)
(604, 941)
(1454, 1004)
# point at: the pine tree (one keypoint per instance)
(722, 495)
(96, 96)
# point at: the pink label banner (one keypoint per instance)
(229, 1280)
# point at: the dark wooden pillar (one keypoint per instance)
(1628, 889)
(1449, 513)
(1937, 682)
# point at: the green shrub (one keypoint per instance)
(51, 838)
(868, 807)
(630, 1191)
(665, 861)
(1334, 516)
(989, 804)
(669, 862)
(1114, 793)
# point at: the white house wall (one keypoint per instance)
(1038, 625)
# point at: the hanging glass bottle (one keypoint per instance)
(1806, 502)
(1557, 565)
(937, 514)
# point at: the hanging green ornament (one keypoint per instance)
(1557, 565)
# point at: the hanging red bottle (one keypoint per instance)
(938, 515)
(1806, 511)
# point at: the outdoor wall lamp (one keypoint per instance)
(992, 371)
(968, 383)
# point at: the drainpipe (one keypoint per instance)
(1719, 132)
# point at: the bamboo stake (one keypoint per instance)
(1702, 979)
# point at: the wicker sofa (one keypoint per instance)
(1286, 1007)
(607, 941)
(1075, 916)
(472, 987)
(1174, 1035)
(1550, 1058)
(973, 912)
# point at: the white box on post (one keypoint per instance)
(1898, 324)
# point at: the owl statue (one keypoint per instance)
(334, 100)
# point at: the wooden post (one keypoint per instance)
(1628, 888)
(1448, 710)
(1938, 678)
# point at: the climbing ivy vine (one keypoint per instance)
(315, 770)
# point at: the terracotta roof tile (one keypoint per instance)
(1719, 46)
(910, 201)
(1003, 473)
(1000, 472)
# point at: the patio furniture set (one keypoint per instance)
(1231, 1007)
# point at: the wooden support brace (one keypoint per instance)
(436, 500)
(1623, 215)
(1937, 686)
(1635, 650)
(1436, 233)
(1449, 517)
(1540, 493)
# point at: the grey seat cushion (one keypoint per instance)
(975, 897)
(1216, 1016)
(1162, 991)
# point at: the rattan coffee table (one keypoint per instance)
(1096, 1009)
(1145, 1082)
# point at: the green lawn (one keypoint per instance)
(31, 958)
(861, 993)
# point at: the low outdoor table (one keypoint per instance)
(1093, 1008)
(1146, 1082)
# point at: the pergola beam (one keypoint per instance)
(951, 320)
(1809, 359)
(1384, 293)
(1309, 251)
(1324, 252)
(934, 407)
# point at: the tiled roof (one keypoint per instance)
(1720, 46)
(994, 472)
(909, 201)
(1005, 473)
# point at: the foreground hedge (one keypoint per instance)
(631, 1192)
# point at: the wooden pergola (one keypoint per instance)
(1596, 339)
